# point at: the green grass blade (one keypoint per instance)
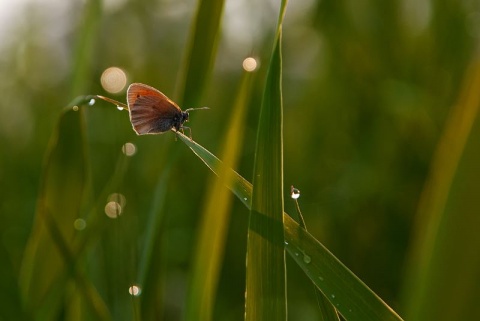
(216, 216)
(443, 283)
(239, 185)
(352, 298)
(85, 47)
(60, 197)
(48, 262)
(266, 291)
(201, 52)
(327, 311)
(150, 273)
(266, 271)
(12, 308)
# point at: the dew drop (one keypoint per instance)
(286, 243)
(296, 254)
(119, 107)
(307, 259)
(75, 108)
(295, 193)
(91, 102)
(333, 296)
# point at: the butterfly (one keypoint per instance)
(151, 112)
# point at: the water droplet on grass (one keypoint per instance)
(307, 259)
(295, 193)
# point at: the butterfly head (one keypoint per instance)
(179, 119)
(184, 117)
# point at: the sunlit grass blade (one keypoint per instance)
(445, 262)
(351, 297)
(216, 216)
(201, 52)
(239, 185)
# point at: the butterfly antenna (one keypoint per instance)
(189, 109)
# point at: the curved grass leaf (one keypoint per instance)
(49, 256)
(351, 297)
(48, 263)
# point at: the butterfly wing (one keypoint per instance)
(151, 112)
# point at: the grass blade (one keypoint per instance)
(444, 263)
(49, 258)
(327, 311)
(266, 291)
(201, 52)
(239, 185)
(351, 297)
(49, 261)
(266, 271)
(214, 226)
(150, 272)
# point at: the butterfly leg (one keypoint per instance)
(176, 132)
(189, 131)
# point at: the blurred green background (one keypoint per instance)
(368, 88)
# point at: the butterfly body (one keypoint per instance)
(151, 112)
